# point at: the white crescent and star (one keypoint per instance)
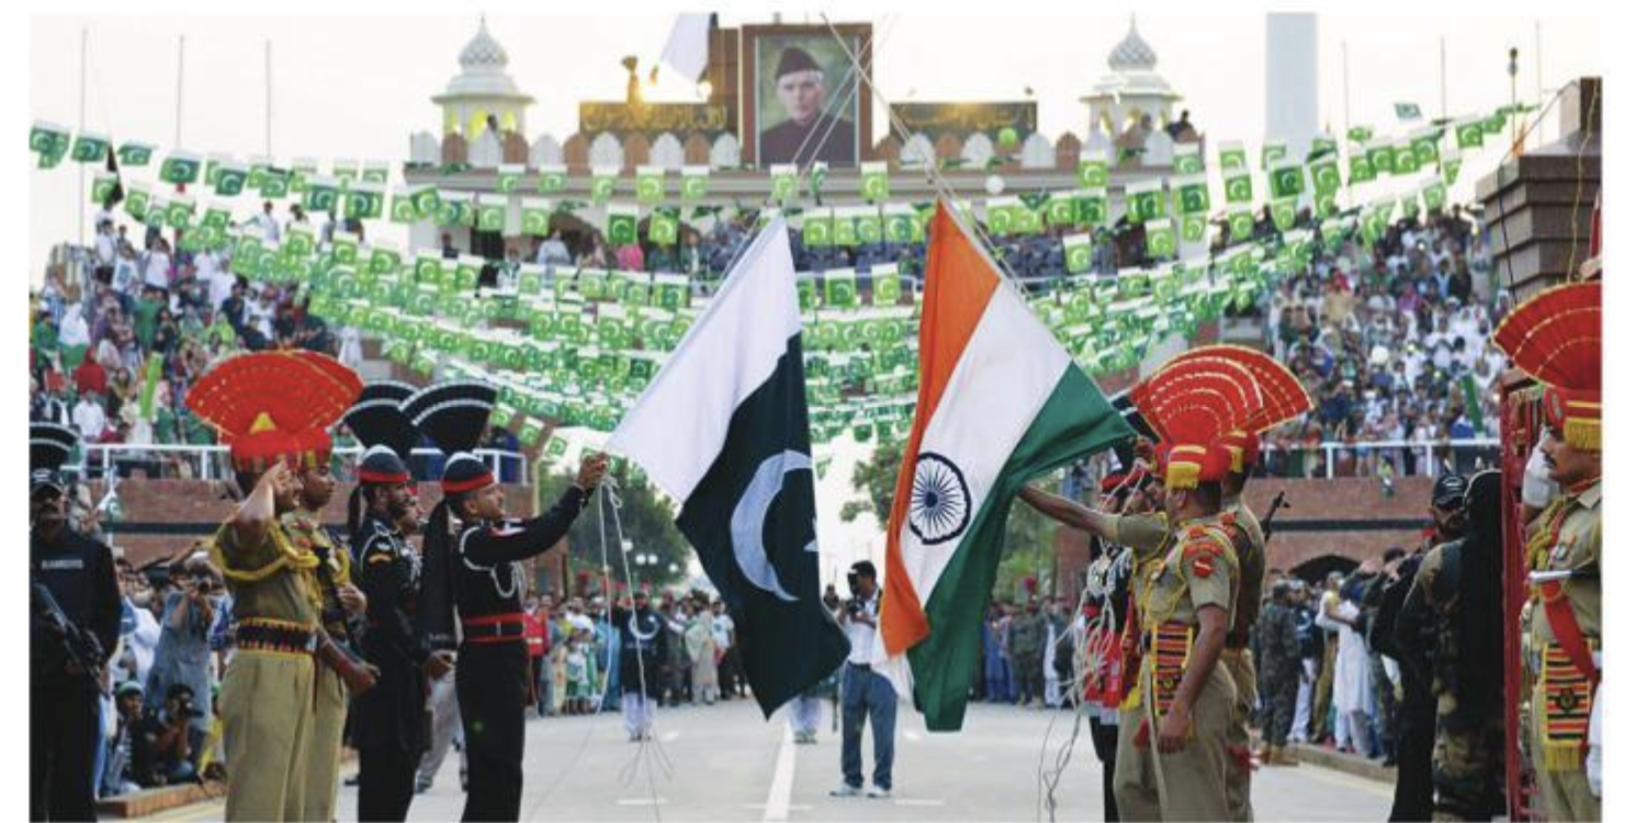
(751, 512)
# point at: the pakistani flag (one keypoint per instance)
(346, 172)
(650, 185)
(743, 472)
(695, 180)
(1426, 148)
(1193, 228)
(300, 242)
(1079, 251)
(899, 223)
(1000, 403)
(1272, 152)
(867, 225)
(1324, 176)
(1470, 134)
(135, 153)
(50, 142)
(89, 148)
(1188, 159)
(230, 178)
(816, 178)
(101, 187)
(181, 168)
(364, 201)
(276, 183)
(1360, 169)
(621, 225)
(508, 176)
(663, 226)
(1092, 170)
(425, 201)
(1160, 242)
(1406, 159)
(841, 288)
(1091, 208)
(782, 182)
(179, 213)
(886, 285)
(321, 194)
(1232, 157)
(401, 208)
(1061, 210)
(1144, 200)
(1190, 194)
(376, 171)
(1382, 156)
(1450, 165)
(817, 228)
(534, 216)
(603, 183)
(491, 213)
(1283, 212)
(1239, 219)
(1286, 180)
(672, 291)
(1434, 194)
(136, 200)
(346, 248)
(873, 184)
(1408, 111)
(550, 179)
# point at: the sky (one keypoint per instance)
(355, 86)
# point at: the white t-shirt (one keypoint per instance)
(269, 230)
(75, 332)
(722, 631)
(156, 272)
(89, 418)
(861, 635)
(220, 284)
(107, 250)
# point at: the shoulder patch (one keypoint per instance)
(380, 556)
(1204, 564)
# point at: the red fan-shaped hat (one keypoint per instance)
(1281, 396)
(1196, 403)
(1190, 464)
(1556, 337)
(274, 405)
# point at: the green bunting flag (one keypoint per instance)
(535, 215)
(134, 154)
(816, 179)
(1160, 242)
(180, 168)
(136, 199)
(1188, 159)
(275, 183)
(898, 223)
(1434, 195)
(1002, 215)
(321, 194)
(1239, 219)
(401, 209)
(1272, 152)
(508, 177)
(695, 182)
(1061, 210)
(844, 230)
(1322, 146)
(50, 142)
(1193, 228)
(1408, 111)
(1238, 186)
(1078, 250)
(603, 184)
(1143, 201)
(1091, 207)
(364, 201)
(385, 259)
(1450, 165)
(1286, 180)
(1360, 169)
(663, 227)
(817, 227)
(89, 148)
(782, 182)
(345, 172)
(1233, 157)
(886, 285)
(671, 291)
(375, 171)
(841, 288)
(1190, 194)
(346, 248)
(1470, 134)
(300, 174)
(230, 179)
(425, 201)
(1426, 148)
(101, 187)
(1324, 177)
(1382, 155)
(550, 179)
(650, 185)
(491, 213)
(867, 225)
(1092, 170)
(621, 225)
(179, 213)
(1405, 159)
(1283, 213)
(1358, 134)
(873, 183)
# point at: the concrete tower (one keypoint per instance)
(1292, 79)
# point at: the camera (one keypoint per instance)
(854, 608)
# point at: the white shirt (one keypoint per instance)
(220, 283)
(106, 249)
(269, 230)
(722, 631)
(90, 419)
(156, 272)
(75, 332)
(861, 635)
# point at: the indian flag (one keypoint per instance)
(1000, 403)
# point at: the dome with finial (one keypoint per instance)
(483, 50)
(485, 71)
(1132, 53)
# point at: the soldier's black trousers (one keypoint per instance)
(388, 778)
(493, 685)
(65, 728)
(1105, 738)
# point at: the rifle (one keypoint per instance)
(83, 649)
(1270, 516)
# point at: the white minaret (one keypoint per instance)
(1292, 79)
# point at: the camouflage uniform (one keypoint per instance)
(1277, 632)
(1027, 647)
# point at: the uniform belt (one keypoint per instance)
(1233, 652)
(495, 628)
(259, 634)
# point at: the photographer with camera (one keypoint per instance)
(161, 748)
(74, 615)
(182, 655)
(863, 692)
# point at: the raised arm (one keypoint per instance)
(259, 510)
(528, 538)
(1069, 513)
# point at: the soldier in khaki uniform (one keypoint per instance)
(1556, 338)
(265, 405)
(339, 602)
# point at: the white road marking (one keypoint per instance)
(640, 801)
(784, 775)
(917, 802)
(911, 735)
(670, 736)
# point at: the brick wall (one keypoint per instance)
(1350, 517)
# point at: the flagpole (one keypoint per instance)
(1541, 91)
(180, 72)
(1443, 109)
(268, 99)
(79, 207)
(1344, 46)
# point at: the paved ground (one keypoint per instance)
(724, 763)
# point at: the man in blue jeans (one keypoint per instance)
(864, 692)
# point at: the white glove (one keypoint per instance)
(1538, 490)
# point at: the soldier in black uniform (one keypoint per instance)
(643, 643)
(474, 584)
(73, 629)
(389, 720)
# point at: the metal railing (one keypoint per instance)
(213, 461)
(1405, 458)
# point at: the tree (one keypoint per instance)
(1029, 537)
(648, 521)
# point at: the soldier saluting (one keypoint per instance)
(73, 628)
(474, 587)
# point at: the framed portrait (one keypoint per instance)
(802, 98)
